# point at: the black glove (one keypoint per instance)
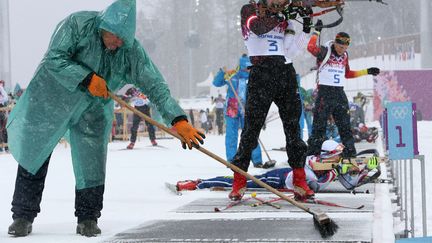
(318, 25)
(373, 70)
(290, 12)
(280, 17)
(306, 14)
(307, 23)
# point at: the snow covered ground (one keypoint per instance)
(135, 191)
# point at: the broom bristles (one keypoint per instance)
(325, 225)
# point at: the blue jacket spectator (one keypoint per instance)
(234, 115)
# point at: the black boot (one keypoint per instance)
(269, 164)
(88, 228)
(20, 227)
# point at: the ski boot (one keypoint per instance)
(372, 137)
(187, 185)
(301, 188)
(88, 228)
(260, 165)
(238, 187)
(153, 142)
(130, 146)
(20, 227)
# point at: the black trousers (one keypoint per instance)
(331, 101)
(28, 195)
(136, 121)
(220, 120)
(267, 84)
(3, 132)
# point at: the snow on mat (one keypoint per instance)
(245, 230)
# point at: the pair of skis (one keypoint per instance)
(259, 203)
(271, 202)
(331, 204)
(231, 204)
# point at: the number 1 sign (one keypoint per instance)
(400, 130)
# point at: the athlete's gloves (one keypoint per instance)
(318, 26)
(291, 12)
(189, 134)
(372, 163)
(373, 70)
(307, 23)
(96, 85)
(280, 17)
(306, 14)
(341, 168)
(345, 168)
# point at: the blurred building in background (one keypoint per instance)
(189, 39)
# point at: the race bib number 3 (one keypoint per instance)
(273, 45)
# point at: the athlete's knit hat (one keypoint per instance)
(343, 38)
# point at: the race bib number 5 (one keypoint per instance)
(336, 78)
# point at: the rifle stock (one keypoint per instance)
(330, 164)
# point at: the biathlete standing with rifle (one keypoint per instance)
(271, 80)
(333, 71)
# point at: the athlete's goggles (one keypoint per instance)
(343, 40)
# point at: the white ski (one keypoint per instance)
(173, 188)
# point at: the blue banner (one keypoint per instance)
(416, 240)
(400, 130)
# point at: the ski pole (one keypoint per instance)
(243, 108)
(262, 201)
(271, 119)
(322, 222)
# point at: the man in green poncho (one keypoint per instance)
(89, 54)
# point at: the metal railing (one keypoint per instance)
(403, 181)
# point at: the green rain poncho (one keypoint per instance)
(55, 102)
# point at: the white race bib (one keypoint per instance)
(268, 44)
(332, 73)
